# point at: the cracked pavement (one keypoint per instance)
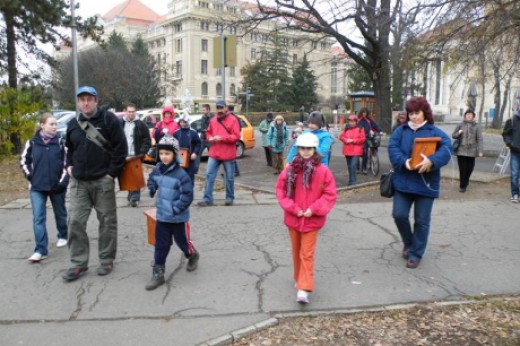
(245, 270)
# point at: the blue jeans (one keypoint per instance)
(515, 174)
(352, 164)
(417, 239)
(38, 203)
(211, 174)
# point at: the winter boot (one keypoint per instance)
(157, 278)
(193, 261)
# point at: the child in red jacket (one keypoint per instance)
(353, 138)
(306, 191)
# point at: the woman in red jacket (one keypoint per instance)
(306, 191)
(353, 138)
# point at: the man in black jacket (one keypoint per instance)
(204, 123)
(138, 141)
(511, 136)
(93, 162)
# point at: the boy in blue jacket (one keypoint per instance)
(174, 196)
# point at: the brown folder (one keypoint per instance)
(426, 146)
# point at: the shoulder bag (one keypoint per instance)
(386, 184)
(95, 136)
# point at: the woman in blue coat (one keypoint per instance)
(419, 185)
(43, 164)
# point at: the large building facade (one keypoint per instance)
(182, 44)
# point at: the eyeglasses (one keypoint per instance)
(305, 148)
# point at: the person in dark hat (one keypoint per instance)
(96, 153)
(264, 128)
(315, 124)
(469, 136)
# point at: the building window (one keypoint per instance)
(253, 53)
(295, 58)
(232, 30)
(253, 36)
(218, 7)
(232, 90)
(219, 27)
(204, 90)
(219, 71)
(203, 4)
(178, 45)
(204, 45)
(232, 9)
(264, 55)
(178, 69)
(204, 67)
(314, 45)
(178, 27)
(334, 78)
(232, 71)
(295, 43)
(158, 58)
(264, 37)
(204, 26)
(219, 90)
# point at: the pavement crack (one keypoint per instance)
(261, 277)
(79, 302)
(94, 303)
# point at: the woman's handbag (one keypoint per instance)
(386, 187)
(456, 144)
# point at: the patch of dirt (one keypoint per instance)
(493, 322)
(13, 184)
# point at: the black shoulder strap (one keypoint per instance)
(94, 135)
(224, 126)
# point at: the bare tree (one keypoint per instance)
(361, 27)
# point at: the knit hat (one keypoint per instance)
(315, 118)
(169, 143)
(278, 117)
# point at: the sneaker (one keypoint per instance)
(514, 199)
(205, 204)
(193, 262)
(73, 274)
(61, 242)
(229, 202)
(36, 257)
(105, 269)
(134, 204)
(302, 297)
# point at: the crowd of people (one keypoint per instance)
(97, 145)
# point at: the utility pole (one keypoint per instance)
(223, 62)
(74, 50)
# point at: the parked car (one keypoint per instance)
(63, 121)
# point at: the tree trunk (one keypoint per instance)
(497, 123)
(11, 49)
(382, 94)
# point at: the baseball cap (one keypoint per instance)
(86, 90)
(221, 103)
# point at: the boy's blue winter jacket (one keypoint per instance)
(174, 192)
(400, 149)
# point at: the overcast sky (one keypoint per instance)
(89, 8)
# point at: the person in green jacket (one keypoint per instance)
(264, 128)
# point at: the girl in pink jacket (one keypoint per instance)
(306, 191)
(353, 138)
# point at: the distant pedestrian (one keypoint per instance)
(138, 141)
(315, 124)
(299, 128)
(278, 137)
(167, 125)
(306, 191)
(174, 190)
(223, 133)
(400, 119)
(96, 152)
(418, 185)
(511, 136)
(231, 111)
(188, 140)
(371, 129)
(353, 138)
(43, 163)
(204, 123)
(264, 128)
(471, 145)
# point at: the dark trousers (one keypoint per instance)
(466, 165)
(203, 145)
(164, 232)
(364, 158)
(268, 156)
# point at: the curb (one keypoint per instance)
(232, 337)
(229, 339)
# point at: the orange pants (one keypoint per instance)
(303, 248)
